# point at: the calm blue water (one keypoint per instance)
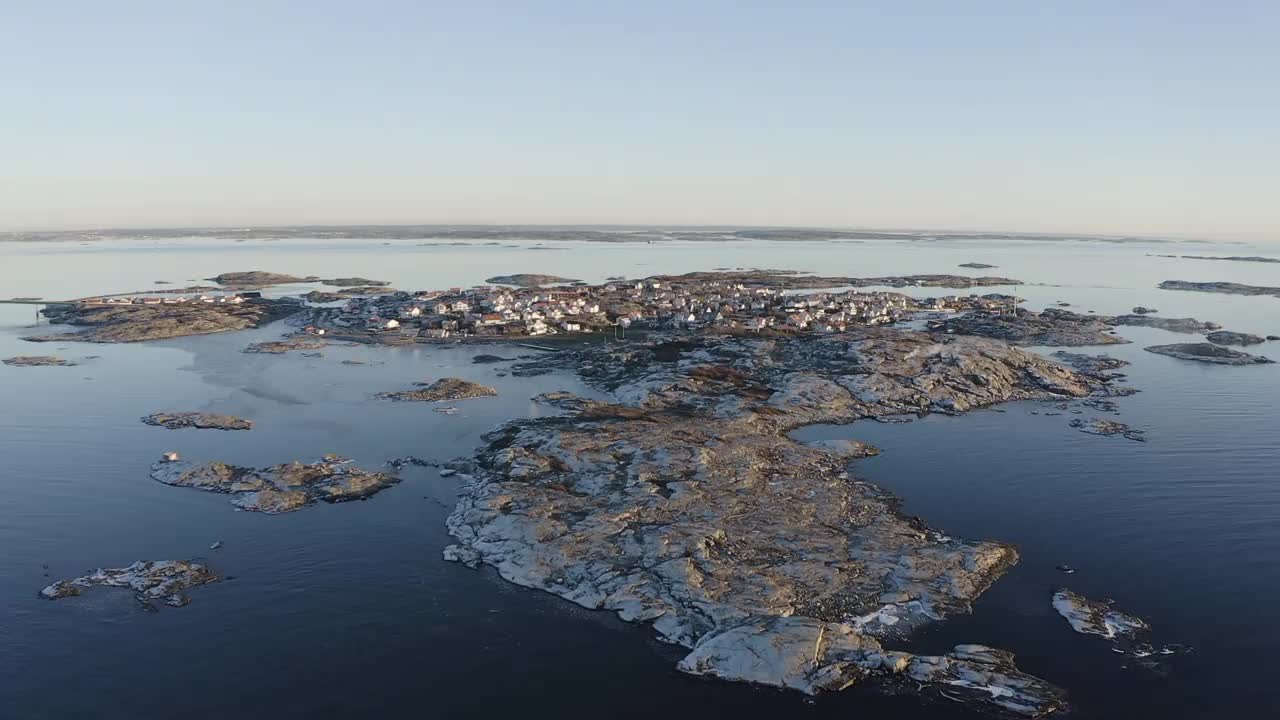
(348, 610)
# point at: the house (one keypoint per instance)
(571, 327)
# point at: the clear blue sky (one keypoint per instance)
(1125, 117)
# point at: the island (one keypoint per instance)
(1220, 287)
(442, 390)
(278, 488)
(1226, 337)
(529, 280)
(37, 361)
(977, 265)
(150, 580)
(1058, 327)
(1234, 258)
(1208, 353)
(122, 320)
(198, 420)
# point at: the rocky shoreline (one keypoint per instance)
(138, 323)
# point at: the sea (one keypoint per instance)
(349, 610)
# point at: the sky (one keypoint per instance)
(1114, 117)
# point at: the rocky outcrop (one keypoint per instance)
(1208, 353)
(684, 503)
(348, 282)
(1099, 426)
(278, 488)
(1095, 618)
(1178, 325)
(137, 323)
(1229, 288)
(151, 580)
(258, 279)
(442, 390)
(1100, 366)
(976, 265)
(198, 420)
(489, 359)
(1234, 258)
(1226, 337)
(1140, 310)
(1053, 327)
(37, 361)
(279, 347)
(528, 280)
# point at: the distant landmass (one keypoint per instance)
(495, 234)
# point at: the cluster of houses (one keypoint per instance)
(652, 303)
(235, 299)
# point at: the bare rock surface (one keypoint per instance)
(37, 361)
(442, 390)
(150, 580)
(278, 488)
(1098, 365)
(1140, 310)
(1208, 353)
(684, 503)
(137, 323)
(1227, 337)
(198, 420)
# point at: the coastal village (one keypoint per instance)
(652, 304)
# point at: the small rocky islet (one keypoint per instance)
(150, 580)
(278, 488)
(1208, 353)
(38, 361)
(197, 420)
(442, 390)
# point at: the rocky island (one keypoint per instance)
(37, 361)
(198, 420)
(1055, 327)
(1234, 258)
(442, 390)
(977, 265)
(1208, 353)
(1226, 337)
(151, 580)
(1095, 618)
(529, 280)
(278, 488)
(258, 279)
(1229, 288)
(104, 321)
(685, 504)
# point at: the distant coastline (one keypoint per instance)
(571, 233)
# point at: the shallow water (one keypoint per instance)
(348, 610)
